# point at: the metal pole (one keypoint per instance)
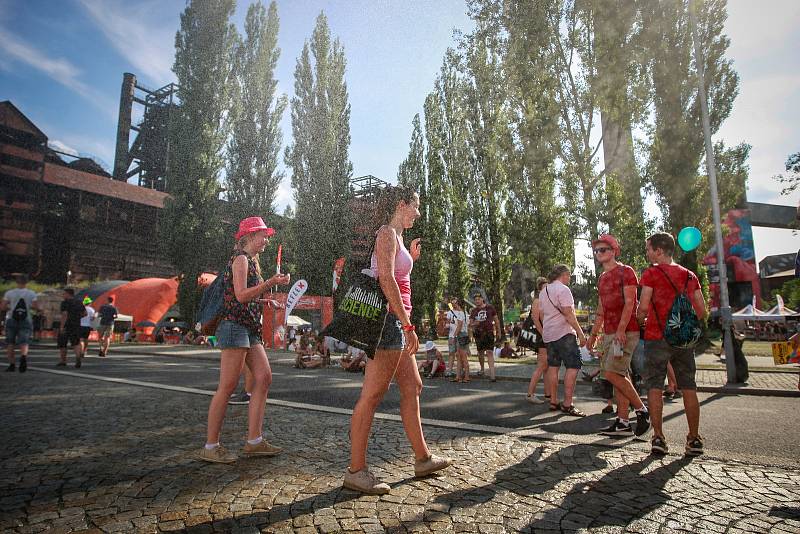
(725, 307)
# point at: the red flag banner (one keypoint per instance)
(338, 267)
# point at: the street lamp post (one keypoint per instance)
(725, 307)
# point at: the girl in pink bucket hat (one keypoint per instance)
(239, 336)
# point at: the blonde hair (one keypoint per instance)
(240, 248)
(540, 282)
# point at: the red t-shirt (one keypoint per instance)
(610, 286)
(664, 294)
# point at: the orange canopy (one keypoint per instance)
(147, 299)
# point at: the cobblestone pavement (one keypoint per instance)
(105, 457)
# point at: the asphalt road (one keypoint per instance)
(746, 428)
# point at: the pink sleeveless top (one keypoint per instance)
(402, 272)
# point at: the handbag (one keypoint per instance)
(528, 336)
(360, 317)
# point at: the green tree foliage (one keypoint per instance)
(792, 180)
(318, 157)
(539, 234)
(490, 138)
(676, 140)
(427, 181)
(192, 226)
(732, 173)
(452, 153)
(621, 89)
(252, 178)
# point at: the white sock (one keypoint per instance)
(623, 421)
(643, 409)
(210, 446)
(256, 441)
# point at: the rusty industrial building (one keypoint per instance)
(63, 215)
(64, 219)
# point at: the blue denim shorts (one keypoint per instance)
(18, 332)
(564, 350)
(231, 335)
(392, 337)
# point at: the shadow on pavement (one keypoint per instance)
(619, 497)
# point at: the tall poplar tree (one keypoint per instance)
(318, 157)
(539, 236)
(677, 145)
(425, 284)
(191, 226)
(453, 154)
(490, 139)
(252, 178)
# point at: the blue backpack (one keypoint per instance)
(209, 313)
(682, 328)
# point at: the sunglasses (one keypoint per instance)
(600, 250)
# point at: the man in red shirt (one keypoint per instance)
(658, 293)
(616, 320)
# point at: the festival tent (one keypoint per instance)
(147, 299)
(780, 312)
(95, 290)
(750, 313)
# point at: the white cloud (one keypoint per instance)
(284, 196)
(134, 30)
(62, 147)
(58, 69)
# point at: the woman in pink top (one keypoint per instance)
(395, 356)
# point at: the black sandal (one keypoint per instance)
(556, 407)
(573, 411)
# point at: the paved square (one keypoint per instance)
(83, 454)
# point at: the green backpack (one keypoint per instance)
(683, 328)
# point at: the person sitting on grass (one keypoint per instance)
(431, 353)
(438, 367)
(508, 351)
(354, 361)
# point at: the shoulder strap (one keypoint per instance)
(553, 303)
(662, 271)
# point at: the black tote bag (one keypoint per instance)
(360, 317)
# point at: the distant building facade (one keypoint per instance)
(58, 217)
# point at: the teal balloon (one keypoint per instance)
(689, 238)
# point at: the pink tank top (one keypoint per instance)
(402, 272)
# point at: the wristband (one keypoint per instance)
(408, 328)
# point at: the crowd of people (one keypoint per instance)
(631, 316)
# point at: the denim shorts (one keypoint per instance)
(231, 335)
(564, 350)
(657, 353)
(392, 337)
(18, 332)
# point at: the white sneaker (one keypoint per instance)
(364, 482)
(429, 465)
(533, 399)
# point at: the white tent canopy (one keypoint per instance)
(778, 312)
(750, 313)
(294, 320)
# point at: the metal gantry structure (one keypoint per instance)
(147, 158)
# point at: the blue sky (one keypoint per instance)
(62, 64)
